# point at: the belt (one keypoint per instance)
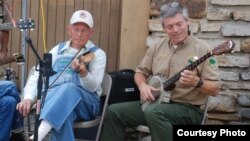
(183, 103)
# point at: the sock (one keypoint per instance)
(43, 130)
(31, 137)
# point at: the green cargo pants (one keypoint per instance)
(159, 118)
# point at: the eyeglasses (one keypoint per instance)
(77, 30)
(170, 5)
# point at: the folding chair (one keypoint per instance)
(106, 86)
(144, 133)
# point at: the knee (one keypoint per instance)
(113, 110)
(66, 88)
(150, 112)
(9, 102)
(9, 84)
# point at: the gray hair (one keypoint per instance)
(172, 9)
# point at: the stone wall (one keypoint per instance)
(216, 21)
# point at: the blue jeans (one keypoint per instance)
(65, 104)
(10, 118)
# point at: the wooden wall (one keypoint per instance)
(121, 29)
(106, 14)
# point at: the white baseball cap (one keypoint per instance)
(82, 16)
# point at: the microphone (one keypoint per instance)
(48, 64)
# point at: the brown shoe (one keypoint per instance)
(18, 136)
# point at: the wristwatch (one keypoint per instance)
(199, 84)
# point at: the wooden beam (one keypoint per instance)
(134, 31)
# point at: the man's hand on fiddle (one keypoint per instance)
(79, 67)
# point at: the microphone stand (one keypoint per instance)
(45, 71)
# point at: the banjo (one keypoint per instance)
(166, 85)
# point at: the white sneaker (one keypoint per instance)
(31, 138)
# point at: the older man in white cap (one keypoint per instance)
(75, 88)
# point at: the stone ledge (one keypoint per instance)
(224, 116)
(230, 2)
